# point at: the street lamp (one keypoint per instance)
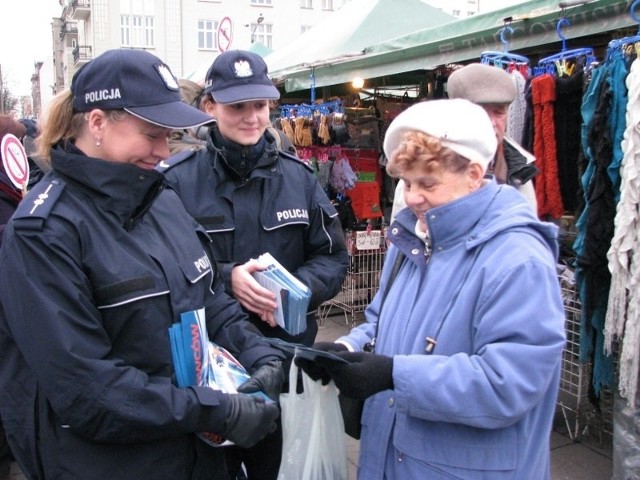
(255, 26)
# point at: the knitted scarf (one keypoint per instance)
(544, 147)
(623, 310)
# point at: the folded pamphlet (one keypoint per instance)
(302, 351)
(199, 361)
(292, 296)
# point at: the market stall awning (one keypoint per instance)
(533, 23)
(348, 31)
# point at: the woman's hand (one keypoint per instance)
(251, 295)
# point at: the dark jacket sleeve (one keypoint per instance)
(327, 259)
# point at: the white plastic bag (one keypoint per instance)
(314, 444)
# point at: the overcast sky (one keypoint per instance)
(25, 38)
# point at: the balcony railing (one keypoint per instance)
(68, 28)
(82, 54)
(81, 9)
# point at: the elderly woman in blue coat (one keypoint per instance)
(469, 336)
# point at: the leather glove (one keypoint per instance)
(249, 419)
(315, 371)
(365, 374)
(268, 378)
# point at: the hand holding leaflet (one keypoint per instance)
(292, 296)
(198, 361)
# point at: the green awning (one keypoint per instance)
(533, 23)
(260, 48)
(349, 30)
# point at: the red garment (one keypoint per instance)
(365, 200)
(544, 147)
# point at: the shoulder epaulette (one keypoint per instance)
(38, 204)
(174, 160)
(290, 156)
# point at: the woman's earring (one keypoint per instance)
(97, 142)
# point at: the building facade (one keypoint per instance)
(457, 8)
(187, 34)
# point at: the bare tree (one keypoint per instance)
(8, 101)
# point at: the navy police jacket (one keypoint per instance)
(97, 263)
(278, 207)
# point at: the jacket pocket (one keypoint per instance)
(458, 446)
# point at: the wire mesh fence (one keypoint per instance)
(367, 250)
(584, 415)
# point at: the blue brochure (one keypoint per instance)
(292, 296)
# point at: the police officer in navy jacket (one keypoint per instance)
(252, 198)
(99, 260)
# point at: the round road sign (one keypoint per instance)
(14, 161)
(225, 34)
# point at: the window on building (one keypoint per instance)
(262, 33)
(306, 3)
(327, 4)
(469, 14)
(304, 28)
(261, 2)
(137, 31)
(207, 34)
(149, 32)
(455, 13)
(125, 32)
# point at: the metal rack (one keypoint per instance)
(580, 416)
(367, 250)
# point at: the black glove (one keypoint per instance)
(365, 374)
(312, 369)
(249, 419)
(268, 379)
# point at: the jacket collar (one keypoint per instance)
(239, 160)
(475, 218)
(123, 189)
(454, 221)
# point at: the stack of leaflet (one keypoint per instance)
(292, 296)
(198, 361)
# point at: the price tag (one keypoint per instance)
(368, 240)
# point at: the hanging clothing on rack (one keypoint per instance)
(623, 309)
(544, 148)
(567, 119)
(518, 108)
(619, 101)
(595, 230)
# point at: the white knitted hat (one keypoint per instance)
(462, 126)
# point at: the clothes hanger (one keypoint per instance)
(505, 59)
(557, 64)
(309, 110)
(622, 44)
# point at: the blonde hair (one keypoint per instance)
(60, 122)
(419, 150)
